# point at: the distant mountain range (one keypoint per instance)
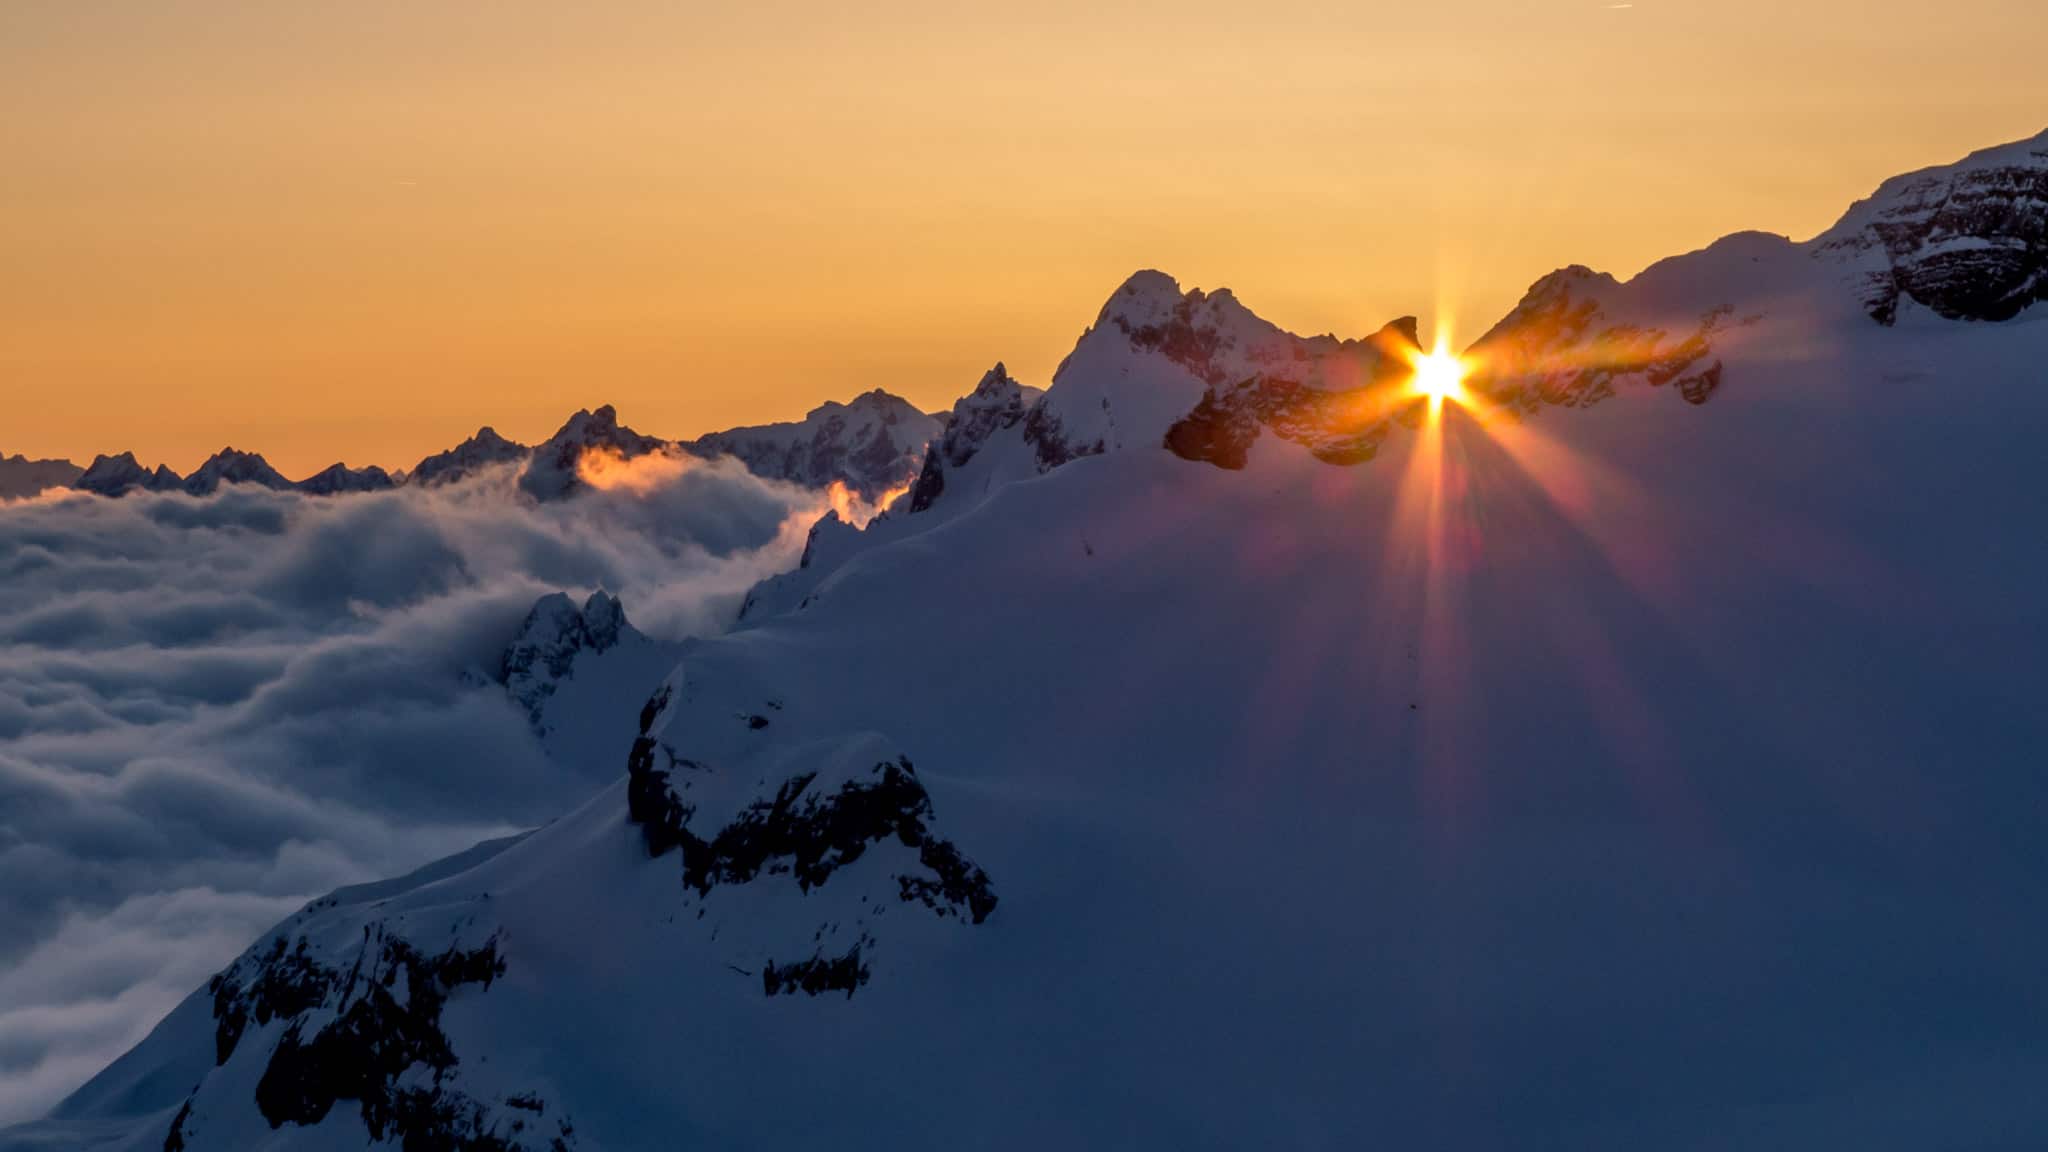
(1228, 748)
(21, 476)
(872, 444)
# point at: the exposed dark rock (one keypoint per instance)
(368, 1033)
(804, 835)
(286, 984)
(553, 635)
(1049, 441)
(817, 975)
(929, 486)
(174, 1140)
(1968, 241)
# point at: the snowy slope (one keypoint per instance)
(873, 444)
(1646, 774)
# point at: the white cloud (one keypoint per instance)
(213, 709)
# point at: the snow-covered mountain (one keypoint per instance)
(229, 466)
(115, 475)
(1967, 241)
(480, 451)
(337, 479)
(996, 404)
(569, 662)
(22, 477)
(873, 444)
(1643, 753)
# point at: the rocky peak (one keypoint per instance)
(229, 466)
(996, 403)
(339, 478)
(1968, 241)
(115, 475)
(478, 452)
(554, 634)
(551, 471)
(873, 444)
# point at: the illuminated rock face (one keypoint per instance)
(551, 472)
(1967, 241)
(1578, 335)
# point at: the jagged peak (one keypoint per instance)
(995, 384)
(231, 465)
(880, 401)
(115, 474)
(551, 470)
(1401, 332)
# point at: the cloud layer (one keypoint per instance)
(212, 709)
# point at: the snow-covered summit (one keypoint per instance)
(873, 444)
(230, 466)
(555, 634)
(996, 403)
(1963, 241)
(1153, 355)
(1968, 241)
(115, 475)
(480, 451)
(338, 479)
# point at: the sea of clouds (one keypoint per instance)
(213, 709)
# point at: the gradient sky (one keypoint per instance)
(327, 230)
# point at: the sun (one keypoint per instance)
(1439, 374)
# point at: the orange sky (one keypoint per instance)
(326, 230)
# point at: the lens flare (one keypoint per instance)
(1439, 374)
